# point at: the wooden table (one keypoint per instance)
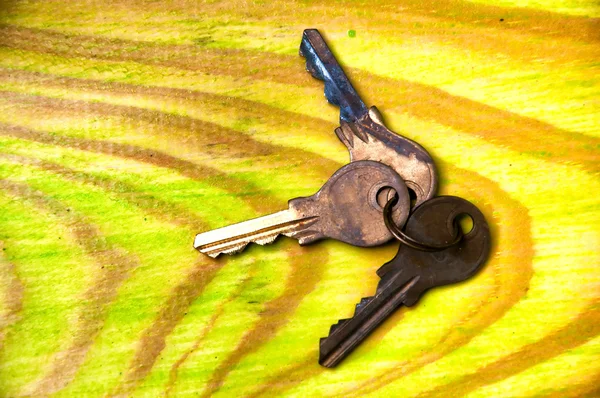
(126, 127)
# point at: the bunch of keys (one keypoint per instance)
(367, 203)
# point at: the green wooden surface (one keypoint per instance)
(126, 127)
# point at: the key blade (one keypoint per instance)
(263, 230)
(321, 63)
(345, 336)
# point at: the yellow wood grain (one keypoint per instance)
(126, 127)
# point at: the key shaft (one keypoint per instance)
(351, 332)
(262, 230)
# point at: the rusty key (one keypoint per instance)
(362, 129)
(405, 278)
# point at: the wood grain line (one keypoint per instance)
(267, 114)
(499, 127)
(305, 274)
(13, 295)
(114, 266)
(582, 329)
(132, 194)
(173, 373)
(308, 266)
(203, 272)
(531, 21)
(511, 37)
(172, 312)
(197, 172)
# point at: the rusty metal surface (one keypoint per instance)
(362, 129)
(406, 277)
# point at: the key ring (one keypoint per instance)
(407, 240)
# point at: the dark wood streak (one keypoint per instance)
(308, 266)
(501, 127)
(148, 203)
(172, 312)
(273, 117)
(524, 20)
(153, 340)
(197, 135)
(235, 186)
(173, 373)
(7, 6)
(203, 135)
(182, 295)
(281, 306)
(582, 329)
(13, 297)
(293, 294)
(589, 389)
(149, 351)
(114, 266)
(290, 377)
(515, 37)
(174, 309)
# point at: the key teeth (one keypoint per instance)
(230, 251)
(239, 248)
(304, 238)
(333, 327)
(310, 68)
(331, 92)
(293, 229)
(266, 240)
(364, 301)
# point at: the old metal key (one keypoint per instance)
(412, 272)
(347, 208)
(361, 129)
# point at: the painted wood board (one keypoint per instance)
(126, 127)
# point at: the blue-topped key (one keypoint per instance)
(321, 63)
(362, 129)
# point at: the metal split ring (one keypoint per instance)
(407, 240)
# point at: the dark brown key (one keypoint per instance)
(412, 272)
